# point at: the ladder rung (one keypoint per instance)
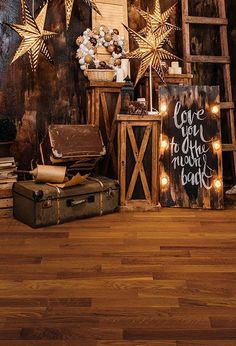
(229, 147)
(208, 59)
(227, 105)
(206, 20)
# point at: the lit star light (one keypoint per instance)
(33, 36)
(150, 50)
(159, 20)
(69, 6)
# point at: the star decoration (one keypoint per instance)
(159, 20)
(69, 6)
(33, 36)
(150, 50)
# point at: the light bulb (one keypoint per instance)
(217, 183)
(215, 109)
(163, 107)
(216, 145)
(164, 181)
(164, 144)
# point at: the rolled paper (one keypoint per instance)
(119, 75)
(76, 180)
(171, 70)
(49, 174)
(125, 67)
(175, 64)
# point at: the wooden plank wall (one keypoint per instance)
(114, 14)
(55, 97)
(52, 95)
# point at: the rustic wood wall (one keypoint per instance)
(205, 40)
(54, 94)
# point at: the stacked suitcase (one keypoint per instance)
(79, 147)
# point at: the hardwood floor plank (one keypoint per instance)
(153, 334)
(125, 279)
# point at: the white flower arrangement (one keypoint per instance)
(100, 36)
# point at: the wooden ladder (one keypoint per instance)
(223, 59)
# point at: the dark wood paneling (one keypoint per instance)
(53, 93)
(56, 93)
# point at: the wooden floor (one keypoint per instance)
(165, 278)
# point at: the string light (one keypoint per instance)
(164, 181)
(164, 144)
(163, 107)
(216, 145)
(217, 184)
(215, 109)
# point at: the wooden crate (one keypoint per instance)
(103, 104)
(138, 157)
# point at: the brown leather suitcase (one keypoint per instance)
(40, 205)
(77, 146)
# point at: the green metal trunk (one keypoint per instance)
(40, 205)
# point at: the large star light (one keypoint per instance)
(33, 36)
(69, 6)
(159, 20)
(150, 50)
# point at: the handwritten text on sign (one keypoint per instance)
(191, 165)
(192, 151)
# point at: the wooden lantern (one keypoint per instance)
(127, 95)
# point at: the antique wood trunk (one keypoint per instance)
(40, 205)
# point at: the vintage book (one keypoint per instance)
(7, 174)
(7, 162)
(6, 186)
(6, 202)
(7, 178)
(6, 190)
(6, 212)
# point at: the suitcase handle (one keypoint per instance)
(73, 203)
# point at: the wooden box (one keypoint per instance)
(103, 104)
(138, 153)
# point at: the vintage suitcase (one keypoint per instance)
(77, 146)
(40, 205)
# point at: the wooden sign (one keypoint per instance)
(191, 150)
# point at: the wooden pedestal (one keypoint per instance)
(138, 153)
(103, 104)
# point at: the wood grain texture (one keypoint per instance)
(54, 94)
(132, 279)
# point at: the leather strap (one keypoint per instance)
(100, 194)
